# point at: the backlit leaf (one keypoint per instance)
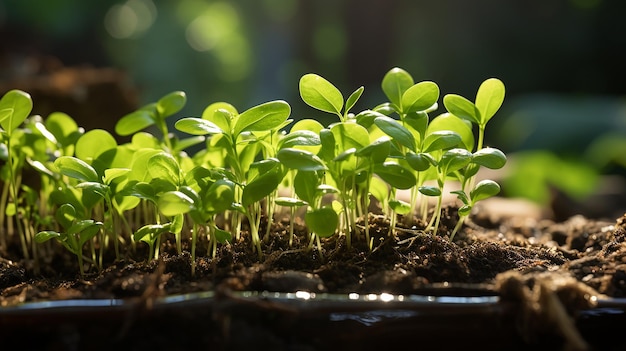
(321, 94)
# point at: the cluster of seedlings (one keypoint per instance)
(94, 195)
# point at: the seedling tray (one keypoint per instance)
(440, 318)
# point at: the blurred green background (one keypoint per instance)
(562, 61)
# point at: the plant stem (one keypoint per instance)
(194, 239)
(458, 226)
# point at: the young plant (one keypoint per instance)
(155, 114)
(77, 232)
(489, 99)
(15, 106)
(339, 144)
(238, 136)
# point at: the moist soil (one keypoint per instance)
(524, 261)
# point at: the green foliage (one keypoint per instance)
(137, 193)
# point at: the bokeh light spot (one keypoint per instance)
(130, 19)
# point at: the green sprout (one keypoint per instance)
(105, 196)
(77, 232)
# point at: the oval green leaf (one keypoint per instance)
(395, 82)
(397, 131)
(173, 203)
(489, 98)
(165, 167)
(484, 189)
(321, 94)
(16, 105)
(197, 126)
(300, 160)
(134, 122)
(395, 175)
(322, 221)
(441, 140)
(462, 108)
(264, 117)
(420, 97)
(171, 103)
(76, 168)
(93, 143)
(222, 114)
(489, 157)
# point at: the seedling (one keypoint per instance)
(15, 106)
(77, 232)
(111, 195)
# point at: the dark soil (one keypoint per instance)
(513, 258)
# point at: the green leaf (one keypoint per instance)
(461, 195)
(134, 122)
(327, 140)
(65, 215)
(353, 98)
(261, 186)
(305, 185)
(182, 144)
(418, 121)
(462, 108)
(197, 126)
(441, 140)
(322, 221)
(299, 138)
(300, 160)
(464, 210)
(145, 191)
(264, 117)
(450, 122)
(76, 168)
(93, 143)
(221, 235)
(15, 105)
(11, 209)
(395, 82)
(164, 166)
(348, 136)
(90, 229)
(430, 190)
(491, 158)
(489, 98)
(378, 151)
(173, 203)
(289, 202)
(454, 159)
(379, 189)
(171, 103)
(46, 235)
(220, 196)
(345, 155)
(395, 175)
(484, 189)
(400, 207)
(421, 161)
(319, 93)
(420, 97)
(148, 233)
(139, 164)
(63, 127)
(366, 118)
(397, 131)
(221, 114)
(94, 187)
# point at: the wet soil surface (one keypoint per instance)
(573, 261)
